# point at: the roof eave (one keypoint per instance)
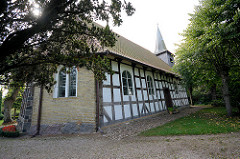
(107, 52)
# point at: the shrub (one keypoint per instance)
(10, 131)
(218, 103)
(1, 116)
(11, 134)
(1, 132)
(11, 128)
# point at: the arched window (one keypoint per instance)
(67, 82)
(127, 83)
(150, 85)
(72, 81)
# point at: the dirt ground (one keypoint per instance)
(122, 141)
(98, 146)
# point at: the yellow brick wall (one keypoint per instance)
(81, 109)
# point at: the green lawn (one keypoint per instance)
(206, 121)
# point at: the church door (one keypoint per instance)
(167, 97)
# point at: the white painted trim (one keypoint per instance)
(56, 86)
(129, 69)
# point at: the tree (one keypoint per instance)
(1, 115)
(234, 85)
(8, 102)
(194, 73)
(18, 101)
(213, 36)
(62, 34)
(0, 101)
(184, 64)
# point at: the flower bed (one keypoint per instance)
(9, 131)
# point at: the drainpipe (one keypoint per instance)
(39, 111)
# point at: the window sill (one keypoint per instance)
(129, 95)
(71, 97)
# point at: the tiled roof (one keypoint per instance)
(128, 49)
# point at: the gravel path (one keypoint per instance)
(134, 127)
(122, 142)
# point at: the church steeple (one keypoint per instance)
(159, 44)
(161, 50)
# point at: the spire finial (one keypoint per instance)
(160, 45)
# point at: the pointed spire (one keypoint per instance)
(160, 45)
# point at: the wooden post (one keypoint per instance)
(135, 86)
(140, 77)
(121, 91)
(112, 94)
(147, 90)
(130, 102)
(156, 91)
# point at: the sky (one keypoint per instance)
(170, 15)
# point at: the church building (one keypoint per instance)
(142, 84)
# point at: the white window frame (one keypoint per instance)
(56, 86)
(150, 85)
(127, 84)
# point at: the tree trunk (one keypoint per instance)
(14, 114)
(190, 89)
(214, 94)
(8, 103)
(0, 101)
(226, 94)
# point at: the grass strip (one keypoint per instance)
(206, 121)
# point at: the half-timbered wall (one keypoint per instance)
(143, 101)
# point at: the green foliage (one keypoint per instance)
(64, 34)
(202, 95)
(173, 109)
(217, 102)
(9, 131)
(201, 98)
(0, 103)
(210, 53)
(99, 65)
(9, 134)
(1, 132)
(1, 116)
(235, 83)
(206, 121)
(18, 101)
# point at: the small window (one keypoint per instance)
(171, 60)
(150, 85)
(67, 82)
(127, 83)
